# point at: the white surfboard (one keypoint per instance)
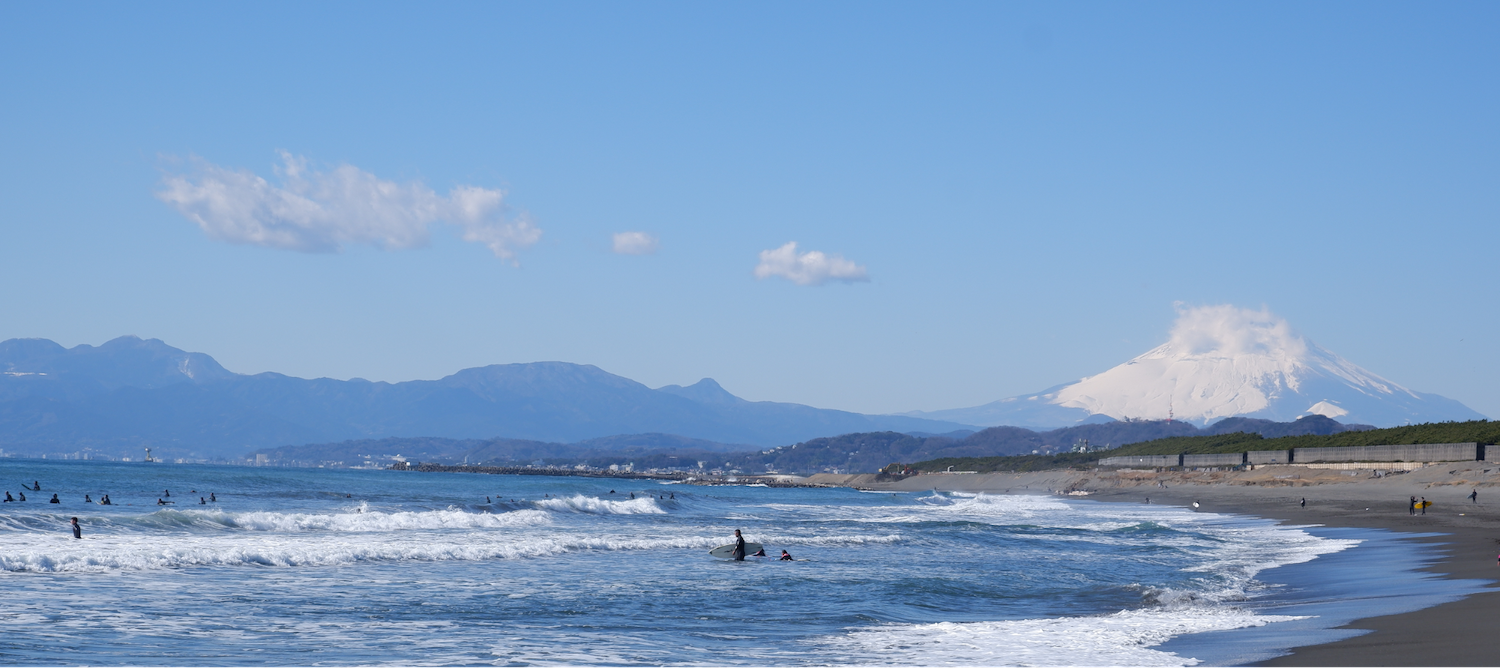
(727, 551)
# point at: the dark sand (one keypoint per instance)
(1465, 632)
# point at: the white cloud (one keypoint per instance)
(810, 268)
(1231, 331)
(635, 243)
(319, 212)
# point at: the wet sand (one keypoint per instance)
(1460, 633)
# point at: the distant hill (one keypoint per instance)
(862, 452)
(132, 393)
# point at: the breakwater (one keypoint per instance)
(1425, 452)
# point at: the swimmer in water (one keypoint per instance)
(159, 502)
(86, 499)
(77, 530)
(202, 501)
(215, 499)
(487, 500)
(54, 499)
(167, 493)
(785, 556)
(8, 497)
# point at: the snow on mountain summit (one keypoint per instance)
(1223, 361)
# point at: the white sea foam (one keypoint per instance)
(372, 521)
(125, 551)
(578, 503)
(1122, 639)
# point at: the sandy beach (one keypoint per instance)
(1452, 634)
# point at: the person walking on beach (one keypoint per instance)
(1304, 502)
(1474, 495)
(1412, 508)
(77, 530)
(739, 546)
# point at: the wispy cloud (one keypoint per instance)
(319, 212)
(635, 243)
(810, 268)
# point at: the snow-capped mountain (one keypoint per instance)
(1223, 361)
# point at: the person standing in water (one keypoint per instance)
(739, 546)
(77, 530)
(54, 499)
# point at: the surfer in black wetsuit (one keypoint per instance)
(86, 499)
(215, 499)
(8, 497)
(759, 553)
(739, 546)
(35, 486)
(167, 493)
(77, 530)
(785, 556)
(23, 495)
(104, 501)
(202, 501)
(54, 499)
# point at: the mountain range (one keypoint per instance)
(131, 393)
(1220, 362)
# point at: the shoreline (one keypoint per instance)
(1465, 536)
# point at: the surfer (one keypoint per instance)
(105, 501)
(759, 553)
(1474, 495)
(8, 497)
(215, 499)
(159, 502)
(202, 501)
(54, 499)
(86, 499)
(23, 495)
(1304, 502)
(632, 495)
(1411, 508)
(739, 546)
(1423, 504)
(167, 493)
(785, 556)
(35, 486)
(487, 500)
(77, 530)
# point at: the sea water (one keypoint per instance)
(313, 566)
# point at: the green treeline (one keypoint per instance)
(1475, 431)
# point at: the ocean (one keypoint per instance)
(341, 567)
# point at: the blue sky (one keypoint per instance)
(1007, 196)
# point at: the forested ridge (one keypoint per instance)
(1476, 431)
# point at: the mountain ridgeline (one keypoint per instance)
(131, 393)
(863, 452)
